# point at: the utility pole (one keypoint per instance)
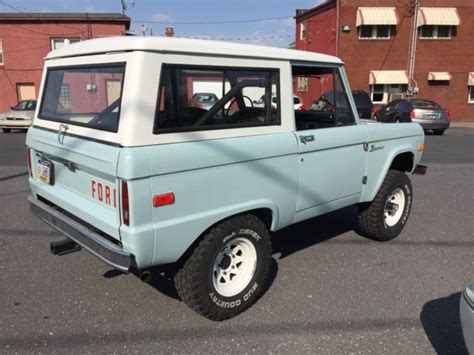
(412, 84)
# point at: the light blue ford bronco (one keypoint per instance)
(129, 163)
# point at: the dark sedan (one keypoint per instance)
(427, 113)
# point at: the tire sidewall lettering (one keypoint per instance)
(236, 302)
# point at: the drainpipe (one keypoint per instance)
(412, 84)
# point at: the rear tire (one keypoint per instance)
(6, 130)
(228, 270)
(438, 132)
(383, 219)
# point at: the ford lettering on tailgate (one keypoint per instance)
(104, 193)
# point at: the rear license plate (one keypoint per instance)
(45, 171)
(431, 116)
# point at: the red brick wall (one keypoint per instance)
(362, 56)
(26, 44)
(320, 37)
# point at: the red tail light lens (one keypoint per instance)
(163, 199)
(448, 114)
(28, 159)
(412, 114)
(125, 204)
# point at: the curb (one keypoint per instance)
(462, 124)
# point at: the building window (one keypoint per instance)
(1, 52)
(61, 42)
(376, 31)
(471, 95)
(382, 94)
(436, 32)
(302, 30)
(302, 84)
(65, 97)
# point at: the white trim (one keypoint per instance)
(302, 30)
(470, 92)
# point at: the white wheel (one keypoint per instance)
(234, 267)
(394, 207)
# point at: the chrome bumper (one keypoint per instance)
(106, 251)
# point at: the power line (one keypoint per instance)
(215, 22)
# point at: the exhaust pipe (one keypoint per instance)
(145, 276)
(63, 247)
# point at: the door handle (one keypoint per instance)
(306, 139)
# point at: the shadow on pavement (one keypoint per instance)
(442, 325)
(314, 231)
(13, 176)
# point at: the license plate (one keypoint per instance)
(45, 171)
(432, 116)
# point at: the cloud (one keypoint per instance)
(163, 18)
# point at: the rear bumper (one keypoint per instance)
(433, 124)
(106, 251)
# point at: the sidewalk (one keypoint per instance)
(462, 124)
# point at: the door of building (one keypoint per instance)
(26, 92)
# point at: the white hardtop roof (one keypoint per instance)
(182, 45)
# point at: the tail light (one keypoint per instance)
(125, 204)
(448, 114)
(412, 114)
(28, 159)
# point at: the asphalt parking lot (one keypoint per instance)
(332, 291)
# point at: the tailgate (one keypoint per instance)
(78, 175)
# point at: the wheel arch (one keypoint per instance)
(401, 160)
(267, 214)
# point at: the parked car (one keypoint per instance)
(141, 182)
(466, 312)
(204, 100)
(297, 104)
(19, 117)
(364, 105)
(427, 113)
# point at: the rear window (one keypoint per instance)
(84, 96)
(362, 100)
(425, 104)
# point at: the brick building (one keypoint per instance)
(373, 39)
(26, 38)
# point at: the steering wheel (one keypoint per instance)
(233, 102)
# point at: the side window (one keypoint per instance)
(326, 101)
(198, 98)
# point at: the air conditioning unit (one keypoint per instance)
(91, 88)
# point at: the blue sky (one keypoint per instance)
(177, 11)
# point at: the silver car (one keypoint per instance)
(429, 114)
(19, 117)
(467, 317)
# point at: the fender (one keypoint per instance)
(376, 170)
(174, 237)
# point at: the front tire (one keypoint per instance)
(228, 270)
(6, 130)
(383, 219)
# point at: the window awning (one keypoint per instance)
(376, 16)
(443, 16)
(439, 76)
(388, 77)
(470, 79)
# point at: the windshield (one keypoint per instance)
(84, 96)
(25, 106)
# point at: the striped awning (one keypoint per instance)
(470, 79)
(388, 77)
(442, 16)
(376, 16)
(439, 76)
